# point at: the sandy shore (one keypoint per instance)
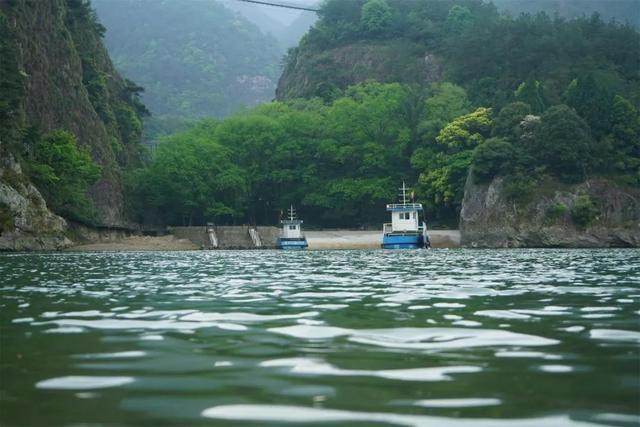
(318, 240)
(345, 239)
(139, 243)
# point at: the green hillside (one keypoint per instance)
(194, 58)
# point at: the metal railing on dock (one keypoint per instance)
(213, 238)
(255, 237)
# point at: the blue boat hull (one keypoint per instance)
(291, 244)
(403, 241)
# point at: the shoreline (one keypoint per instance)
(318, 240)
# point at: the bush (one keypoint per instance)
(555, 212)
(63, 172)
(492, 158)
(563, 144)
(584, 211)
(6, 218)
(519, 187)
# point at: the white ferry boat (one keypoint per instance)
(405, 230)
(291, 236)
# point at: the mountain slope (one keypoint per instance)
(194, 58)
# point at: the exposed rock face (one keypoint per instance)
(309, 73)
(489, 219)
(25, 221)
(70, 83)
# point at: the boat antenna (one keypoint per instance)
(403, 193)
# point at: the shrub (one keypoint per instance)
(492, 158)
(519, 187)
(563, 144)
(584, 211)
(63, 172)
(555, 212)
(6, 219)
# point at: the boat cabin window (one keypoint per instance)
(403, 215)
(292, 227)
(414, 215)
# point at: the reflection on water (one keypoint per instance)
(417, 338)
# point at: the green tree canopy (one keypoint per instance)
(493, 157)
(531, 92)
(63, 171)
(376, 16)
(467, 131)
(192, 179)
(592, 102)
(507, 124)
(563, 144)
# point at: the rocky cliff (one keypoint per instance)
(56, 74)
(595, 213)
(25, 221)
(310, 73)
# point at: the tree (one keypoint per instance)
(624, 138)
(376, 16)
(592, 102)
(492, 158)
(63, 171)
(459, 19)
(466, 131)
(563, 144)
(191, 179)
(443, 185)
(507, 123)
(447, 102)
(532, 92)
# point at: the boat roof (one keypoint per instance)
(404, 207)
(291, 221)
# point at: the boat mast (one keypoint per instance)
(403, 193)
(292, 213)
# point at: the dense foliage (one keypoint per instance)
(341, 162)
(496, 58)
(55, 74)
(620, 10)
(63, 171)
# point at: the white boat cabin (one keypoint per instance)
(405, 217)
(292, 227)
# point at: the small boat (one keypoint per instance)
(291, 236)
(405, 230)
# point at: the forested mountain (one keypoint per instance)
(421, 42)
(426, 91)
(194, 58)
(623, 11)
(69, 123)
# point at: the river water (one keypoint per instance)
(353, 338)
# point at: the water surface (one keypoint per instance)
(406, 338)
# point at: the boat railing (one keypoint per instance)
(388, 229)
(416, 206)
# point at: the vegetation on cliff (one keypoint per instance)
(488, 54)
(59, 87)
